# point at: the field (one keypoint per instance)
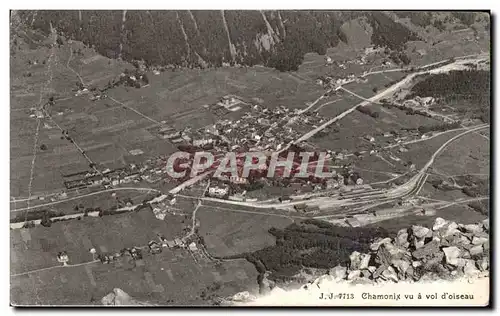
(108, 131)
(229, 233)
(172, 277)
(469, 154)
(457, 213)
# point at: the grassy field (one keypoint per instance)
(467, 155)
(229, 233)
(457, 213)
(170, 277)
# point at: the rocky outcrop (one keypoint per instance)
(446, 251)
(120, 298)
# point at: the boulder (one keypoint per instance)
(459, 240)
(452, 255)
(242, 296)
(372, 269)
(428, 250)
(416, 264)
(476, 250)
(483, 263)
(379, 270)
(353, 275)
(402, 238)
(365, 261)
(436, 259)
(366, 274)
(479, 240)
(439, 223)
(390, 275)
(338, 273)
(120, 297)
(379, 242)
(470, 269)
(486, 224)
(450, 230)
(355, 259)
(108, 299)
(394, 251)
(401, 265)
(473, 228)
(418, 243)
(420, 231)
(486, 246)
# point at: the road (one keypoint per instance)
(458, 64)
(84, 196)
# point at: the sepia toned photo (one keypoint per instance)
(249, 158)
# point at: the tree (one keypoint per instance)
(43, 147)
(46, 222)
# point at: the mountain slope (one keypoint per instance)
(189, 38)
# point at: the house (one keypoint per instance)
(179, 243)
(218, 192)
(359, 181)
(192, 246)
(238, 180)
(202, 142)
(370, 138)
(169, 243)
(236, 197)
(63, 257)
(331, 184)
(172, 135)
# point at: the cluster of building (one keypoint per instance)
(419, 102)
(136, 253)
(334, 81)
(106, 178)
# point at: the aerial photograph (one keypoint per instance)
(245, 157)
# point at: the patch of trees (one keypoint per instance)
(388, 33)
(439, 25)
(480, 207)
(472, 86)
(419, 18)
(312, 243)
(35, 215)
(438, 127)
(467, 18)
(479, 189)
(399, 57)
(366, 110)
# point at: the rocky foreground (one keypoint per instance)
(120, 298)
(446, 251)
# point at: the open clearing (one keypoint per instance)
(229, 233)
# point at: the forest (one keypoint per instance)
(470, 86)
(312, 243)
(196, 38)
